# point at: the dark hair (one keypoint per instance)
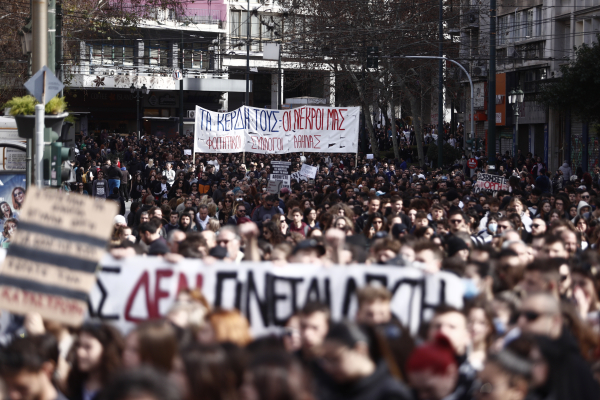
(29, 354)
(139, 382)
(209, 373)
(277, 375)
(112, 349)
(151, 226)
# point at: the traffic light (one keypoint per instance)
(56, 154)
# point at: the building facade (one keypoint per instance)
(533, 40)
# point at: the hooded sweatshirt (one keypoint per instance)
(566, 170)
(579, 207)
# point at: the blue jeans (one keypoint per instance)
(113, 183)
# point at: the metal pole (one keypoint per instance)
(28, 163)
(137, 110)
(181, 88)
(39, 57)
(39, 35)
(491, 115)
(51, 62)
(516, 134)
(279, 80)
(39, 145)
(248, 56)
(440, 141)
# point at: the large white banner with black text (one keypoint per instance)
(132, 290)
(258, 130)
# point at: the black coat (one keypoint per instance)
(569, 376)
(378, 386)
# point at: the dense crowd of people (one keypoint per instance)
(528, 259)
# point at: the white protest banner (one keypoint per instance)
(138, 288)
(257, 130)
(490, 183)
(308, 171)
(187, 152)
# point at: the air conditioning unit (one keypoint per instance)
(191, 113)
(480, 71)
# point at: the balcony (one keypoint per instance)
(189, 16)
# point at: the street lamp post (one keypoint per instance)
(139, 93)
(515, 98)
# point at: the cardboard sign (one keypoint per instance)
(369, 156)
(281, 167)
(140, 288)
(274, 187)
(52, 259)
(187, 152)
(490, 183)
(298, 176)
(285, 179)
(308, 171)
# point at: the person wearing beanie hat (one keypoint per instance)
(457, 247)
(433, 371)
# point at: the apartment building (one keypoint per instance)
(534, 38)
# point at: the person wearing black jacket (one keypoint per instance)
(348, 358)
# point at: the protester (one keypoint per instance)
(514, 311)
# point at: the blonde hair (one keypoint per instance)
(212, 209)
(213, 225)
(230, 326)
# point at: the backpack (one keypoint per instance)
(84, 178)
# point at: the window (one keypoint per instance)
(502, 30)
(529, 23)
(115, 52)
(537, 21)
(157, 53)
(193, 56)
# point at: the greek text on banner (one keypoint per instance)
(136, 289)
(257, 130)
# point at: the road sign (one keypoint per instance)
(472, 163)
(35, 85)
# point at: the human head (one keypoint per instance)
(505, 376)
(229, 238)
(374, 306)
(27, 367)
(451, 323)
(314, 325)
(540, 315)
(429, 254)
(432, 369)
(345, 353)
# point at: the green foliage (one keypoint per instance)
(26, 105)
(56, 105)
(21, 105)
(451, 154)
(578, 89)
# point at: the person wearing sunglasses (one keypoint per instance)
(564, 373)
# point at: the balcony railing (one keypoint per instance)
(189, 15)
